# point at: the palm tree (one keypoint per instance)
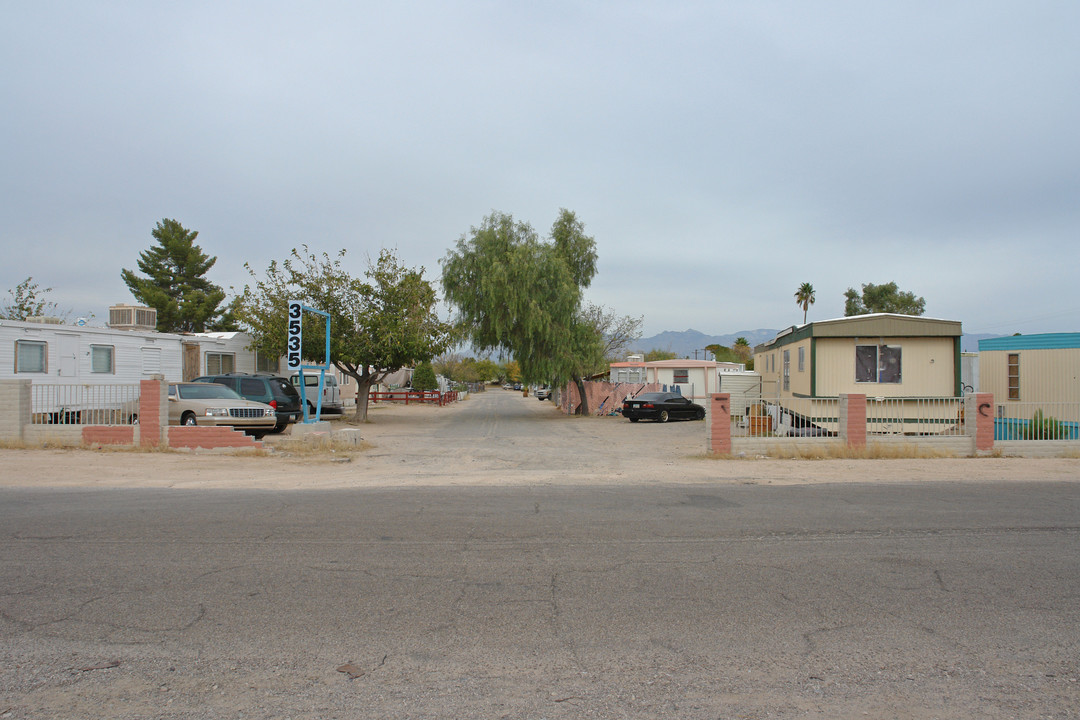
(742, 349)
(804, 298)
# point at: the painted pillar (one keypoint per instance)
(153, 411)
(718, 424)
(853, 420)
(980, 406)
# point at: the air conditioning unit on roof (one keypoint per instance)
(132, 317)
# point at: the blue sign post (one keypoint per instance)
(294, 354)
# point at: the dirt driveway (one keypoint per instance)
(494, 438)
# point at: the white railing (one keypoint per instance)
(789, 417)
(924, 416)
(1037, 421)
(820, 417)
(75, 404)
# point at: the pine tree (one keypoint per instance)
(176, 287)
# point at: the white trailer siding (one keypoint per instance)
(218, 349)
(744, 387)
(86, 355)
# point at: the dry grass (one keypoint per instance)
(837, 451)
(325, 447)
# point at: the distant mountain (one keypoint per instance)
(684, 343)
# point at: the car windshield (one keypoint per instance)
(206, 391)
(312, 380)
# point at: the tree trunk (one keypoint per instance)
(364, 380)
(583, 406)
(363, 392)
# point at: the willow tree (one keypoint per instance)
(521, 294)
(378, 324)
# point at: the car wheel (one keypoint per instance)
(280, 427)
(634, 419)
(662, 417)
(699, 415)
(257, 434)
(188, 419)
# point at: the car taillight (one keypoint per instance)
(647, 405)
(273, 404)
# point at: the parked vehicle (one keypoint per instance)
(661, 407)
(213, 404)
(277, 392)
(542, 393)
(331, 395)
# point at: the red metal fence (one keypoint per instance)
(406, 396)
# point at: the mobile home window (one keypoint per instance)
(30, 356)
(802, 359)
(101, 359)
(264, 362)
(681, 376)
(1014, 376)
(220, 363)
(787, 370)
(877, 364)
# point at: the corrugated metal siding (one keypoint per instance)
(1045, 341)
(927, 366)
(1045, 375)
(888, 326)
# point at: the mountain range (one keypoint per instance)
(688, 342)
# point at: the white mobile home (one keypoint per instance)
(215, 353)
(53, 354)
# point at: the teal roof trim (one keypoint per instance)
(1044, 341)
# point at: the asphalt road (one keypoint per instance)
(940, 600)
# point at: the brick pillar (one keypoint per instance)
(718, 424)
(153, 411)
(983, 414)
(853, 420)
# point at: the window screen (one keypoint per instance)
(30, 356)
(877, 364)
(1014, 376)
(219, 363)
(682, 376)
(101, 358)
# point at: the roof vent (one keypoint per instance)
(132, 317)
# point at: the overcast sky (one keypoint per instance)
(721, 153)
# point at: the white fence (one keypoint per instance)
(925, 416)
(76, 404)
(820, 417)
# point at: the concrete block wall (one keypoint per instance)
(14, 409)
(209, 437)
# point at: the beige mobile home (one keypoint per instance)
(1032, 373)
(879, 355)
(897, 361)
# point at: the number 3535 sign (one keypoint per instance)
(294, 343)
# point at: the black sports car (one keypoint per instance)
(661, 407)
